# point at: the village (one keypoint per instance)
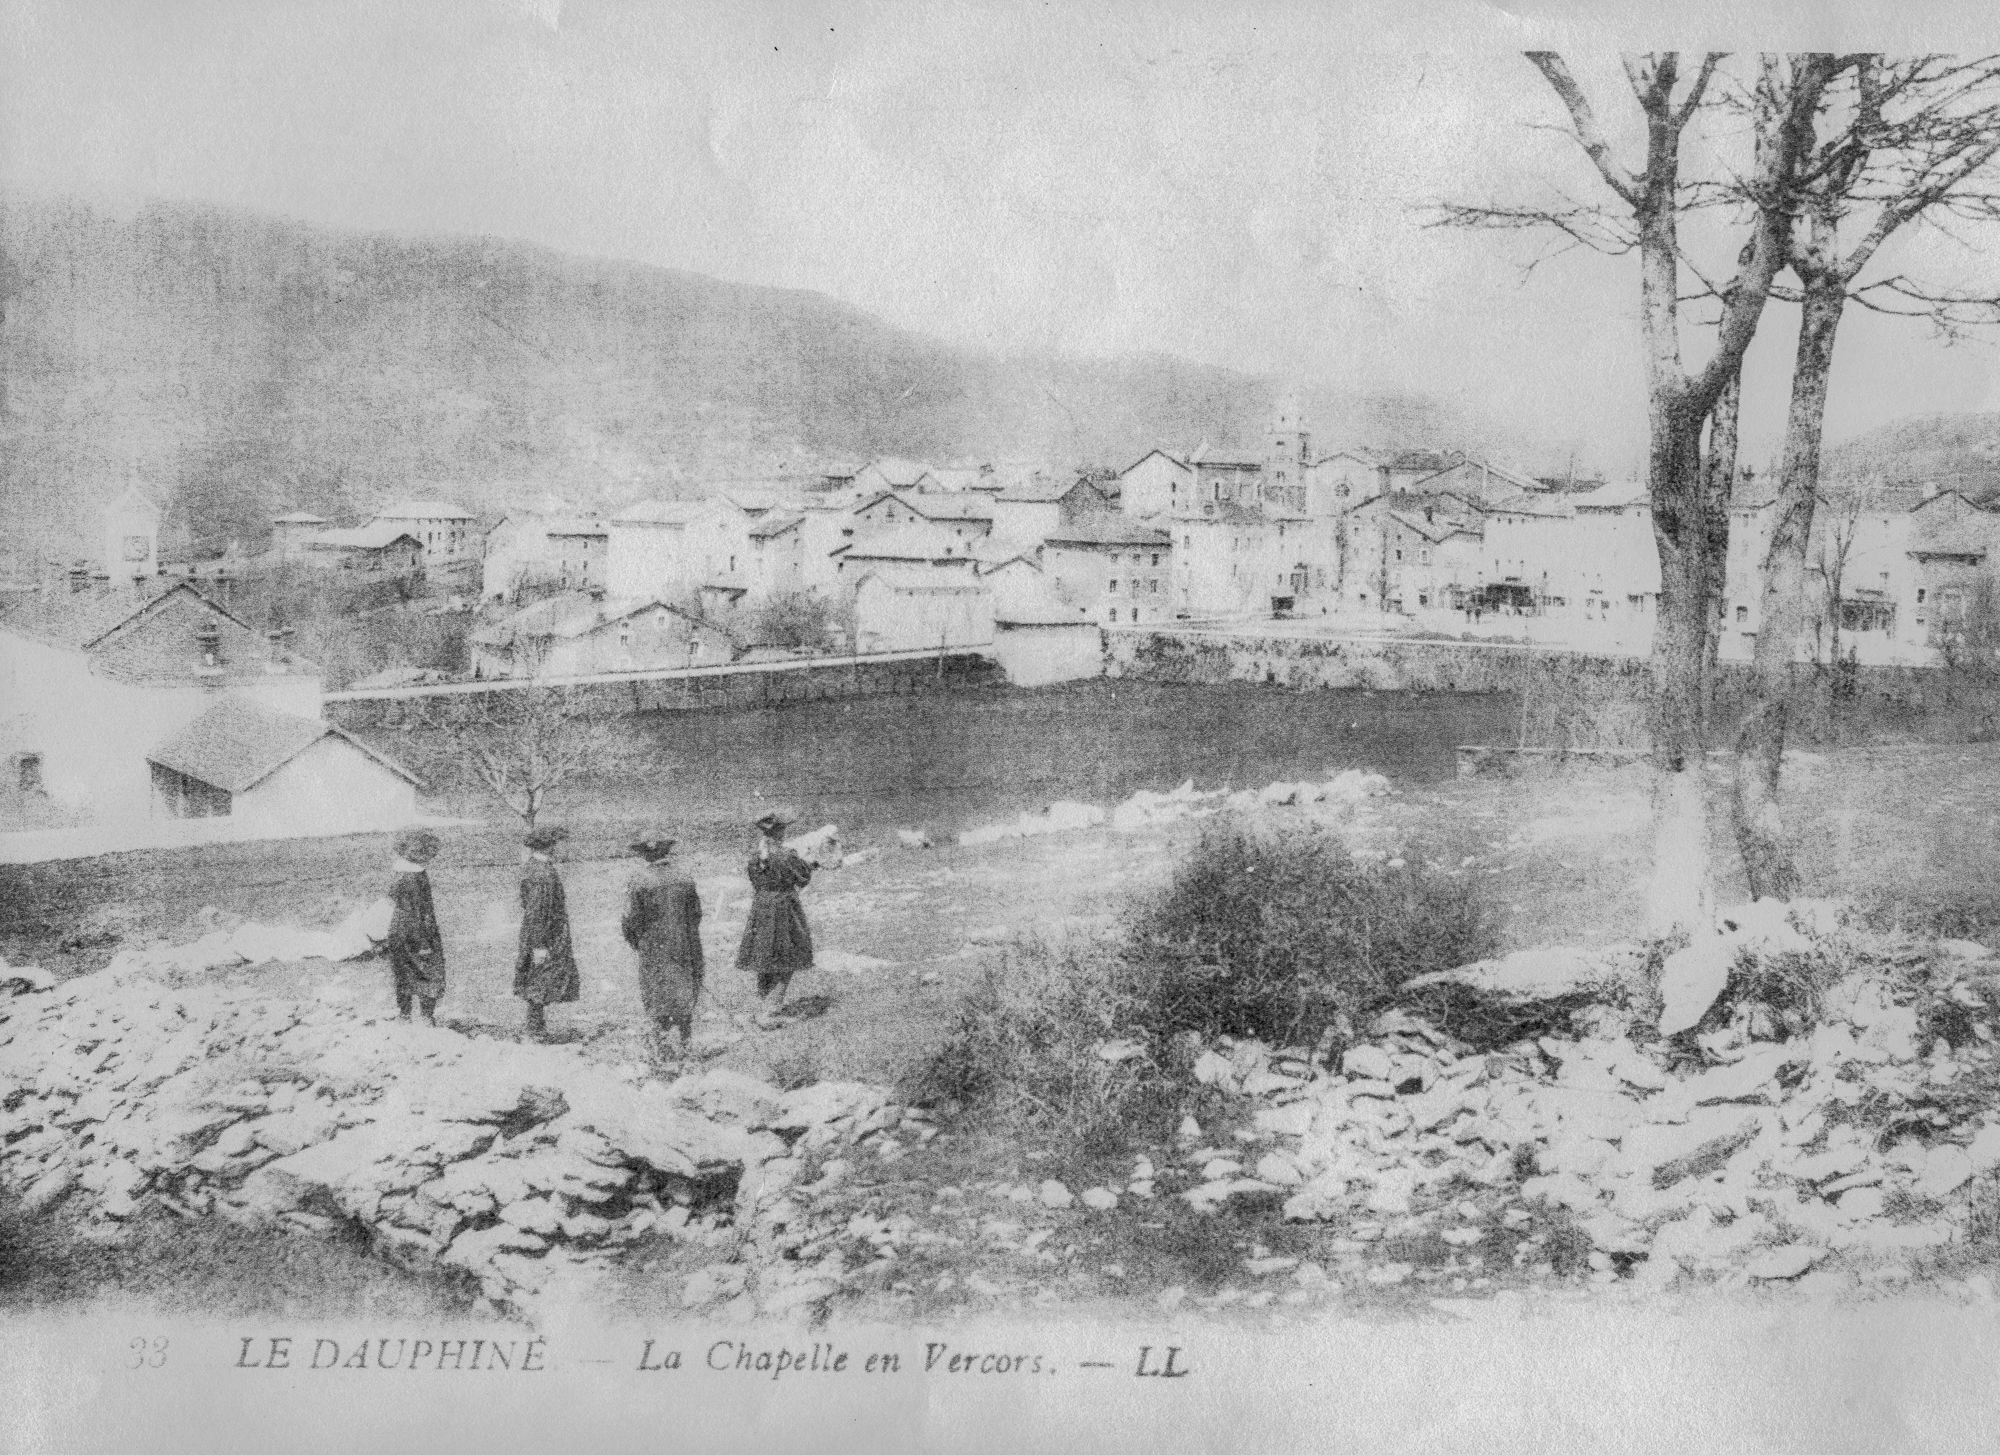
(143, 689)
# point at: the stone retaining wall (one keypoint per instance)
(709, 689)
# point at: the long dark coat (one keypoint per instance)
(776, 940)
(544, 926)
(663, 923)
(414, 947)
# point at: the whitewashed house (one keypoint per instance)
(277, 772)
(446, 531)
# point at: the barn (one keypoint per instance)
(279, 772)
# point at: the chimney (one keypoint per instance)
(100, 583)
(1929, 490)
(79, 579)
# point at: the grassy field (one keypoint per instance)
(905, 935)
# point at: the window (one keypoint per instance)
(1742, 614)
(1114, 615)
(1399, 555)
(1156, 558)
(1920, 596)
(1114, 584)
(28, 772)
(1153, 588)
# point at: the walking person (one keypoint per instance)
(776, 942)
(413, 946)
(545, 967)
(663, 923)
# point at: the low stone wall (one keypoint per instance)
(1388, 664)
(700, 689)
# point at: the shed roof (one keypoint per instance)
(237, 744)
(658, 512)
(423, 510)
(1110, 533)
(774, 525)
(299, 517)
(372, 537)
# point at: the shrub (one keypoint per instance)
(1281, 935)
(1025, 1047)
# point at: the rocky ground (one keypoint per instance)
(1587, 1156)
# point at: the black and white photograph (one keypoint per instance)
(826, 725)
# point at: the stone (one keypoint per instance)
(1786, 1262)
(1861, 1202)
(1053, 1194)
(1211, 1069)
(538, 1215)
(1945, 1169)
(1366, 1063)
(1100, 1199)
(1292, 1120)
(1276, 1167)
(1691, 979)
(1984, 1152)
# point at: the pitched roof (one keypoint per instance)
(576, 526)
(658, 512)
(371, 537)
(900, 473)
(1109, 533)
(423, 510)
(299, 517)
(960, 479)
(237, 744)
(1432, 530)
(1042, 491)
(1169, 457)
(902, 544)
(571, 614)
(134, 500)
(947, 507)
(85, 618)
(1619, 496)
(774, 525)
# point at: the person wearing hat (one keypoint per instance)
(413, 947)
(776, 942)
(545, 967)
(663, 923)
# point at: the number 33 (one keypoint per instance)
(147, 1354)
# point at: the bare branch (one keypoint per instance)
(1589, 135)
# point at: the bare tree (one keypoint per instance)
(523, 743)
(1688, 485)
(1904, 141)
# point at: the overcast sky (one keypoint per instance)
(1237, 183)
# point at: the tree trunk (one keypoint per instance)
(1781, 633)
(1679, 893)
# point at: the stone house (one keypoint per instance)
(446, 531)
(1119, 572)
(897, 615)
(277, 772)
(91, 680)
(379, 548)
(581, 634)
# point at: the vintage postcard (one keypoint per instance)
(999, 726)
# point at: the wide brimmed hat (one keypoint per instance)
(544, 838)
(776, 818)
(419, 846)
(653, 844)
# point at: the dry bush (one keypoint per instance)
(1024, 1049)
(1280, 935)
